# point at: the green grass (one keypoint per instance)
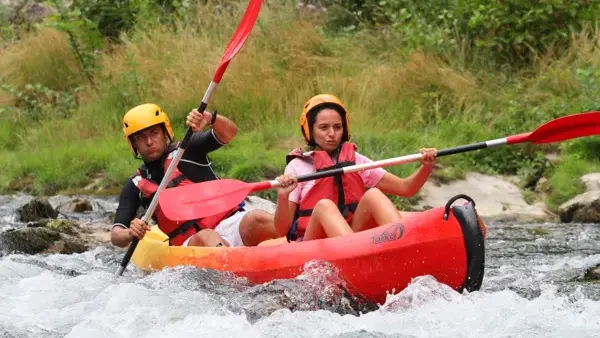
(399, 102)
(565, 180)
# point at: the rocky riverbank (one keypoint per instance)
(73, 224)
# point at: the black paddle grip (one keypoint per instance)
(189, 132)
(461, 149)
(129, 253)
(320, 174)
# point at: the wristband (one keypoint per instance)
(214, 117)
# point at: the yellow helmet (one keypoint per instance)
(142, 117)
(316, 104)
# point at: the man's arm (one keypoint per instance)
(224, 129)
(222, 132)
(126, 212)
(120, 237)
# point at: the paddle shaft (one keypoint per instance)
(259, 186)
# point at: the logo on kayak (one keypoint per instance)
(393, 232)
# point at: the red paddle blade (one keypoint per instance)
(567, 127)
(239, 37)
(209, 198)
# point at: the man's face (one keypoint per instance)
(150, 142)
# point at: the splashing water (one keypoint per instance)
(532, 287)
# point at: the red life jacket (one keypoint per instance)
(179, 231)
(345, 190)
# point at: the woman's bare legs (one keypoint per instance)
(374, 209)
(326, 221)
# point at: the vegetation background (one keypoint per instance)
(412, 73)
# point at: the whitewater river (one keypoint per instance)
(532, 288)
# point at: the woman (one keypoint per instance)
(335, 206)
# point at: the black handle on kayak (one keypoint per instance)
(452, 200)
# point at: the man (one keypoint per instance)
(148, 131)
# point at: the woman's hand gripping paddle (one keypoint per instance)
(235, 44)
(205, 199)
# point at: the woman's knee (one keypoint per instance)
(374, 196)
(325, 205)
(374, 193)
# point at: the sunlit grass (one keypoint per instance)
(398, 101)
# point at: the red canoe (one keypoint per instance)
(372, 262)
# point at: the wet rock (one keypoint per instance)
(58, 200)
(592, 273)
(76, 204)
(37, 224)
(94, 233)
(48, 236)
(63, 226)
(37, 209)
(28, 240)
(46, 230)
(68, 245)
(69, 205)
(584, 208)
(44, 265)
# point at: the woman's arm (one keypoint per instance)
(404, 187)
(286, 209)
(407, 187)
(284, 215)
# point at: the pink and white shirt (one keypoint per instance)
(305, 166)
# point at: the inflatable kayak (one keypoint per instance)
(446, 243)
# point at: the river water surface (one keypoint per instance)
(532, 287)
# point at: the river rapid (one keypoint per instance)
(533, 287)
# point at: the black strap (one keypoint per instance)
(183, 229)
(176, 181)
(213, 119)
(292, 234)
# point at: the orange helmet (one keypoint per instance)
(142, 117)
(316, 104)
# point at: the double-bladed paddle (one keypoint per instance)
(205, 199)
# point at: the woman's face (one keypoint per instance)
(328, 129)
